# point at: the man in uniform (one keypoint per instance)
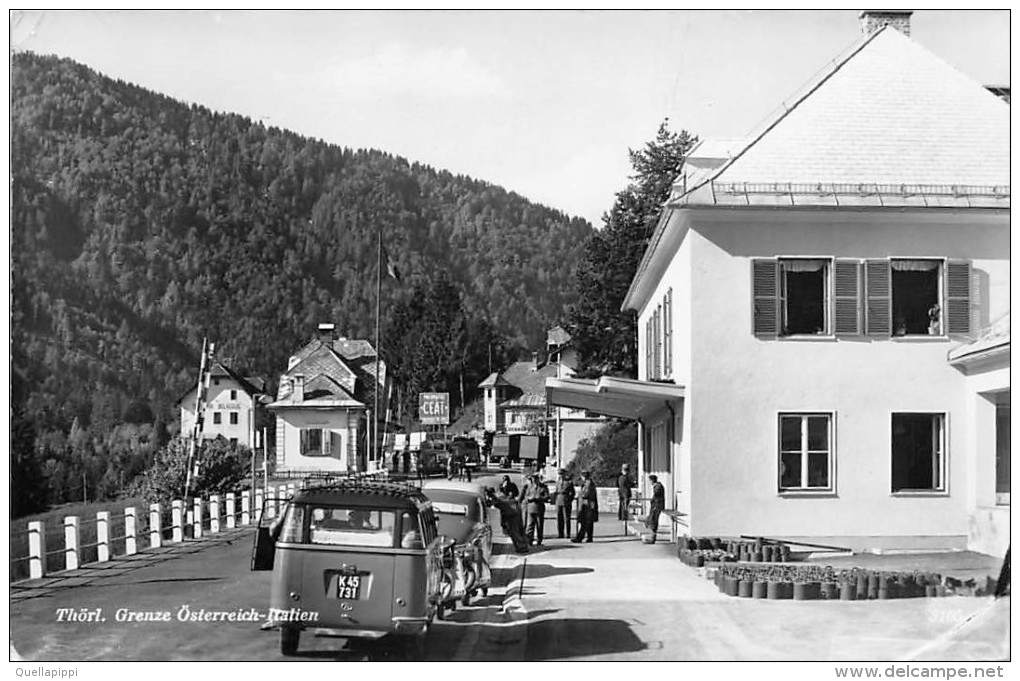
(588, 509)
(534, 496)
(657, 506)
(623, 485)
(564, 501)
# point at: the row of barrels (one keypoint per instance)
(697, 552)
(806, 583)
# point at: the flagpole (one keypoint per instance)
(378, 355)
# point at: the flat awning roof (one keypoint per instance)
(620, 397)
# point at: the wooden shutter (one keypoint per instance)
(327, 442)
(668, 307)
(764, 279)
(957, 313)
(648, 350)
(848, 297)
(878, 280)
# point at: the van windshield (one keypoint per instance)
(343, 526)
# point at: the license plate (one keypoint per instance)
(348, 587)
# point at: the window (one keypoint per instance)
(217, 418)
(915, 297)
(791, 296)
(351, 526)
(233, 395)
(233, 418)
(315, 442)
(803, 296)
(667, 332)
(233, 441)
(1002, 450)
(918, 452)
(805, 452)
(918, 297)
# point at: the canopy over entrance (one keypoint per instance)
(620, 397)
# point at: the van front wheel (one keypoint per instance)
(290, 636)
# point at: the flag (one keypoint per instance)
(391, 266)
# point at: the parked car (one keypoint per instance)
(356, 559)
(464, 517)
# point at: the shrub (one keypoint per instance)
(222, 466)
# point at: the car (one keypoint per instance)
(357, 559)
(463, 514)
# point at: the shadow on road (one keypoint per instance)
(558, 639)
(542, 571)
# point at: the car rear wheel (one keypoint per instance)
(414, 647)
(290, 637)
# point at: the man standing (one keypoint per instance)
(535, 495)
(623, 485)
(564, 500)
(508, 489)
(658, 505)
(588, 509)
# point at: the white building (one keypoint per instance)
(232, 406)
(823, 311)
(324, 406)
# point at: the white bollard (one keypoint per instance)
(290, 489)
(258, 505)
(270, 506)
(36, 549)
(155, 526)
(214, 513)
(103, 536)
(245, 507)
(71, 542)
(197, 519)
(176, 520)
(130, 531)
(231, 520)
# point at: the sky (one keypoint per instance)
(544, 103)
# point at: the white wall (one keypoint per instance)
(736, 384)
(218, 400)
(289, 424)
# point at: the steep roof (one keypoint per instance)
(253, 386)
(337, 373)
(530, 381)
(887, 119)
(494, 379)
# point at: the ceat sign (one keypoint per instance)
(434, 408)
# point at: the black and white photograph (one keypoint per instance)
(438, 336)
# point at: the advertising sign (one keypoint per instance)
(434, 408)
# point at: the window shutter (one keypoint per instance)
(848, 297)
(879, 285)
(648, 349)
(764, 278)
(327, 442)
(957, 311)
(304, 441)
(668, 307)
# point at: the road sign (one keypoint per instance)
(434, 408)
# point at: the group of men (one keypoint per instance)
(535, 495)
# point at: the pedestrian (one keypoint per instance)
(587, 509)
(534, 496)
(623, 486)
(508, 488)
(564, 501)
(509, 518)
(657, 506)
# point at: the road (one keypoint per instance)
(616, 599)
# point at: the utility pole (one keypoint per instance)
(196, 430)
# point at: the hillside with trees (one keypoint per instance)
(141, 225)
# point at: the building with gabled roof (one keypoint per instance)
(324, 405)
(808, 308)
(234, 406)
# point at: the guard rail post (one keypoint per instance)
(155, 526)
(130, 531)
(103, 536)
(176, 520)
(214, 514)
(245, 507)
(231, 520)
(196, 531)
(36, 549)
(71, 542)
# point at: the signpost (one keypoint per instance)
(434, 409)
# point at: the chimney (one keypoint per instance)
(874, 19)
(298, 394)
(326, 332)
(534, 361)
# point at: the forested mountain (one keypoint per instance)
(141, 225)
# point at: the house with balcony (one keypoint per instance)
(233, 406)
(823, 314)
(324, 406)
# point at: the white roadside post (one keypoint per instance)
(155, 526)
(36, 549)
(214, 514)
(130, 531)
(231, 520)
(245, 507)
(103, 536)
(71, 542)
(177, 520)
(196, 532)
(258, 505)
